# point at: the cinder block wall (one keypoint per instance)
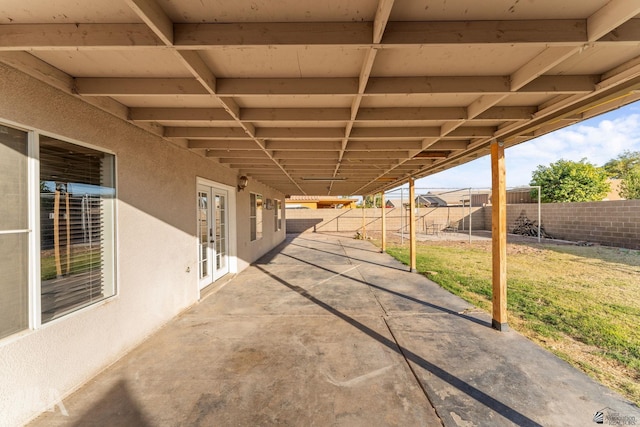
(350, 220)
(611, 223)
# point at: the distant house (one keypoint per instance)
(319, 202)
(430, 200)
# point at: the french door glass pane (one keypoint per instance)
(221, 234)
(203, 232)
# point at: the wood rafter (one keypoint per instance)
(156, 33)
(376, 100)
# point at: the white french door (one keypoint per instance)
(213, 236)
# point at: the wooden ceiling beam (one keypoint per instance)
(419, 132)
(556, 31)
(196, 65)
(144, 114)
(138, 86)
(300, 133)
(310, 161)
(207, 35)
(295, 114)
(313, 155)
(204, 36)
(381, 19)
(19, 37)
(224, 133)
(222, 145)
(179, 114)
(238, 163)
(396, 133)
(506, 113)
(330, 86)
(365, 155)
(153, 15)
(254, 165)
(237, 154)
(304, 145)
(448, 145)
(609, 17)
(562, 84)
(544, 61)
(291, 86)
(383, 145)
(432, 155)
(409, 113)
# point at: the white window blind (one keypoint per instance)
(76, 221)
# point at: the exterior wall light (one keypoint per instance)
(243, 181)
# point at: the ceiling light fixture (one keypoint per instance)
(243, 181)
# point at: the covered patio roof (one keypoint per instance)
(334, 97)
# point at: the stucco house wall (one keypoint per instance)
(156, 250)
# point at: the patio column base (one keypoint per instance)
(413, 270)
(502, 327)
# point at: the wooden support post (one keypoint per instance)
(364, 226)
(412, 225)
(499, 236)
(384, 223)
(56, 232)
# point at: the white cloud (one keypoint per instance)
(598, 140)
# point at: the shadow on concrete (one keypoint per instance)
(350, 257)
(473, 392)
(117, 404)
(340, 244)
(302, 225)
(398, 294)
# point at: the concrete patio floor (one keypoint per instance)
(327, 331)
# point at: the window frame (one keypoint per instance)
(277, 206)
(34, 282)
(256, 229)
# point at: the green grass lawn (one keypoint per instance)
(82, 260)
(583, 303)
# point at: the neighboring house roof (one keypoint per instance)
(430, 200)
(319, 201)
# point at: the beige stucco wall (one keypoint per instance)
(156, 247)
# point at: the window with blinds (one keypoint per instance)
(76, 227)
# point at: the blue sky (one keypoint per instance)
(598, 139)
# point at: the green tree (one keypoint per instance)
(626, 167)
(624, 163)
(568, 181)
(630, 185)
(373, 201)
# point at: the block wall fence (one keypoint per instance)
(350, 220)
(611, 223)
